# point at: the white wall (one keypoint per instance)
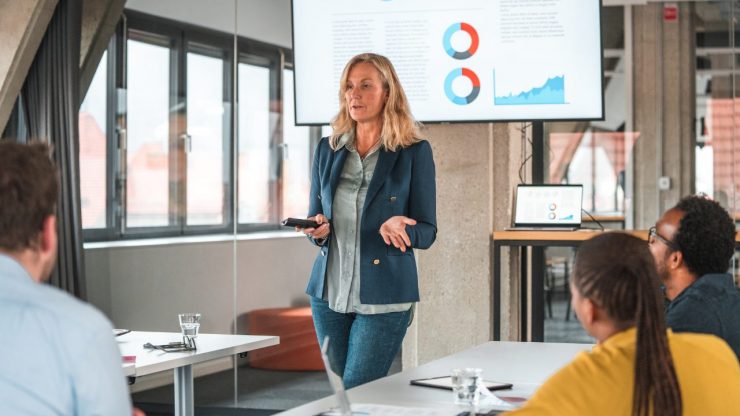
(264, 20)
(145, 287)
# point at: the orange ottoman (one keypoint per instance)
(298, 348)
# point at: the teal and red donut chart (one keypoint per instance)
(462, 72)
(447, 40)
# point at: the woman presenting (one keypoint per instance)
(373, 194)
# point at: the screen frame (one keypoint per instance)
(457, 121)
(546, 225)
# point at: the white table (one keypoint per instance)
(129, 370)
(210, 347)
(526, 365)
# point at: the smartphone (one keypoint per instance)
(300, 223)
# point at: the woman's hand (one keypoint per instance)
(393, 232)
(320, 232)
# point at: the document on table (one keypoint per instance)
(382, 410)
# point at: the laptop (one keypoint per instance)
(345, 408)
(547, 207)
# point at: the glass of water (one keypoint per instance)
(465, 386)
(189, 324)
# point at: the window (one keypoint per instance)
(148, 133)
(255, 131)
(296, 159)
(93, 147)
(157, 122)
(717, 89)
(207, 122)
(598, 162)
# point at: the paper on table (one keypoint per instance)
(379, 409)
(488, 400)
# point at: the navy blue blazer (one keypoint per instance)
(402, 184)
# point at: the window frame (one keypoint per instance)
(182, 38)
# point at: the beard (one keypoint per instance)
(663, 273)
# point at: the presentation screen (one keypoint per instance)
(461, 60)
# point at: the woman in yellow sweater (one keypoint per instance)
(638, 367)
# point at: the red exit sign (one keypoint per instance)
(670, 12)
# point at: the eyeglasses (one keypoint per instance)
(186, 345)
(653, 235)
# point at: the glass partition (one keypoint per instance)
(596, 155)
(274, 160)
(717, 162)
(621, 187)
(717, 153)
(190, 157)
(157, 161)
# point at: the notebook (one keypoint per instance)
(547, 207)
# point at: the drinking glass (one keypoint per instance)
(189, 324)
(465, 386)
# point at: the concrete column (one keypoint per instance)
(22, 27)
(512, 147)
(477, 166)
(664, 108)
(99, 20)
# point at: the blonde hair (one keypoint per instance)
(399, 127)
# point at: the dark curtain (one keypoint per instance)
(15, 129)
(48, 110)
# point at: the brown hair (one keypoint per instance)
(617, 272)
(399, 127)
(28, 193)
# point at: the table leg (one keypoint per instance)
(523, 296)
(184, 391)
(496, 248)
(538, 289)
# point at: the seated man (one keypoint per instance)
(692, 244)
(57, 354)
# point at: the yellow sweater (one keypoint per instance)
(600, 382)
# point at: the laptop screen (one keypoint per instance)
(548, 205)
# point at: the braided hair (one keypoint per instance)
(617, 272)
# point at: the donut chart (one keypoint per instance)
(467, 73)
(447, 40)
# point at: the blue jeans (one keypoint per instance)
(361, 347)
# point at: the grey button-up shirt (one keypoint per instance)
(343, 265)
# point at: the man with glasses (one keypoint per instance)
(693, 244)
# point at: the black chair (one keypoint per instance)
(557, 277)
